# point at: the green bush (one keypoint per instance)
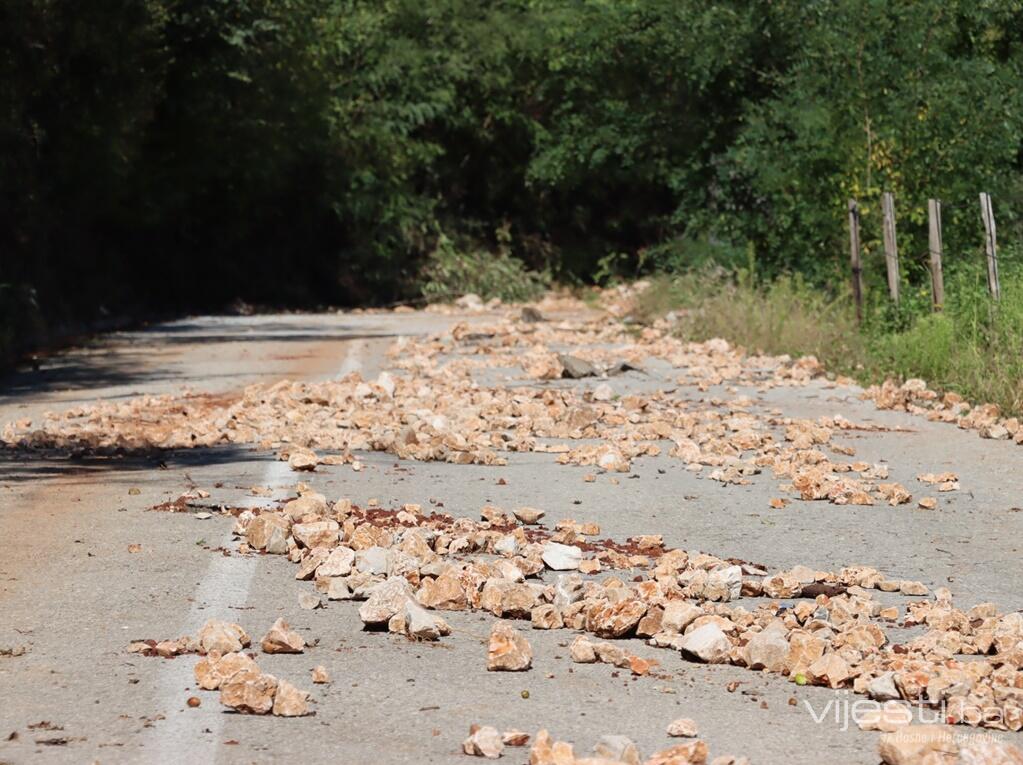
(450, 272)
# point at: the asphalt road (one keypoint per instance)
(73, 596)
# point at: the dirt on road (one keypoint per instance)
(530, 520)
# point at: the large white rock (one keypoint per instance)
(883, 688)
(423, 625)
(561, 557)
(679, 614)
(385, 600)
(373, 560)
(707, 643)
(338, 563)
(768, 649)
(724, 584)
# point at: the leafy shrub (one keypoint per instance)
(450, 272)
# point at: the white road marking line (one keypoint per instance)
(194, 735)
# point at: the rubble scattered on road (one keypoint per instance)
(403, 566)
(832, 633)
(915, 397)
(433, 409)
(223, 666)
(940, 745)
(620, 750)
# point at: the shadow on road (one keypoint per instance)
(147, 356)
(19, 464)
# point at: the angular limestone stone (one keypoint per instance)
(508, 650)
(546, 751)
(615, 620)
(290, 701)
(316, 534)
(769, 648)
(385, 600)
(582, 651)
(484, 741)
(679, 614)
(529, 515)
(508, 599)
(221, 636)
(303, 461)
(249, 693)
(373, 560)
(420, 624)
(568, 589)
(690, 753)
(830, 669)
(282, 639)
(547, 617)
(707, 643)
(214, 669)
(683, 727)
(515, 737)
(269, 532)
(882, 688)
(561, 557)
(444, 593)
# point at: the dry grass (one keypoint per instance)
(785, 316)
(974, 348)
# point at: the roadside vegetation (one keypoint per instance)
(161, 156)
(973, 347)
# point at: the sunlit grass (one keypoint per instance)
(973, 347)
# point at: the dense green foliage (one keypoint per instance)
(160, 155)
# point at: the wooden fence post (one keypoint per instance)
(891, 250)
(934, 242)
(990, 246)
(855, 258)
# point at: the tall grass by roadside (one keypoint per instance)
(784, 316)
(973, 347)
